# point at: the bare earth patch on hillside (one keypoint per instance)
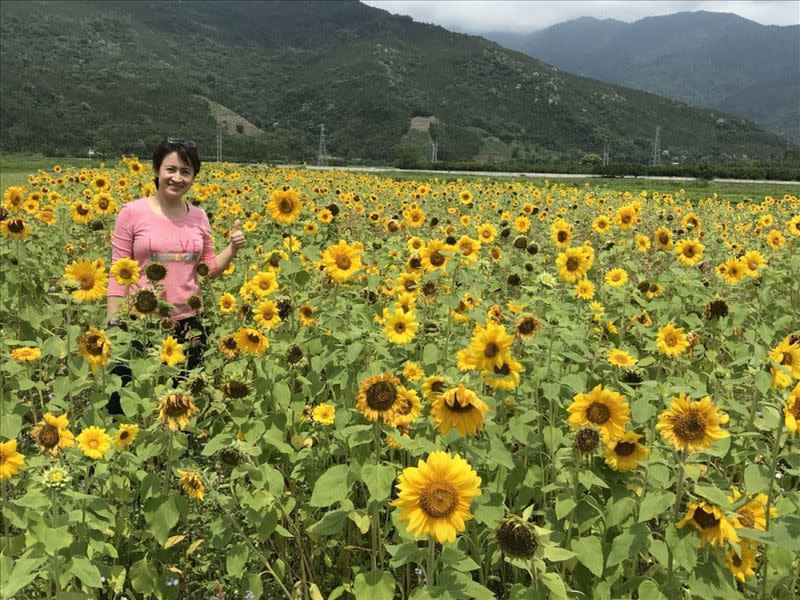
(230, 121)
(422, 123)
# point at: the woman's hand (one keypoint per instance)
(236, 237)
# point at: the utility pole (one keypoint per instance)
(219, 142)
(322, 151)
(434, 151)
(657, 148)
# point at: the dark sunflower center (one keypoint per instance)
(670, 339)
(786, 359)
(705, 520)
(526, 326)
(94, 345)
(86, 281)
(502, 370)
(586, 440)
(746, 517)
(624, 448)
(439, 499)
(795, 410)
(663, 239)
(598, 413)
(124, 435)
(561, 236)
(737, 562)
(688, 251)
(16, 226)
(103, 203)
(415, 262)
(399, 327)
(177, 406)
(381, 395)
(491, 350)
(230, 343)
(286, 206)
(82, 210)
(48, 436)
(125, 273)
(437, 259)
(437, 387)
(253, 338)
(572, 264)
(145, 301)
(691, 427)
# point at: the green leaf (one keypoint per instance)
(431, 355)
(281, 394)
(143, 577)
(375, 585)
(627, 544)
(161, 514)
(331, 523)
(405, 553)
(755, 480)
(24, 571)
(763, 381)
(236, 560)
(116, 577)
(353, 351)
(564, 507)
(557, 553)
(217, 443)
(52, 538)
(379, 479)
(85, 570)
(455, 558)
(654, 504)
(714, 494)
(649, 590)
(331, 487)
(555, 584)
(10, 426)
(499, 454)
(590, 552)
(589, 479)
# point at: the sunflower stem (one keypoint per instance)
(376, 516)
(675, 512)
(430, 570)
(776, 447)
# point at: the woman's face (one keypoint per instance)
(175, 177)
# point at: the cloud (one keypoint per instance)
(476, 16)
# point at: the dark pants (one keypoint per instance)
(191, 333)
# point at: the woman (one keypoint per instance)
(166, 229)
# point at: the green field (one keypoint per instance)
(14, 168)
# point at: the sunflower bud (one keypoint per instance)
(586, 440)
(155, 271)
(516, 537)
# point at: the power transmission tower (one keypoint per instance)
(219, 142)
(322, 152)
(434, 151)
(657, 147)
(605, 154)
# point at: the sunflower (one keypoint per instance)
(325, 216)
(435, 255)
(733, 270)
(689, 252)
(793, 225)
(743, 563)
(227, 303)
(505, 376)
(602, 224)
(228, 346)
(527, 326)
(433, 386)
(414, 217)
(11, 461)
(125, 271)
(434, 497)
(489, 347)
(144, 302)
(172, 352)
(775, 239)
(324, 414)
(412, 371)
(626, 217)
(379, 396)
(602, 408)
(263, 283)
(663, 238)
(561, 234)
(95, 347)
(306, 313)
(459, 408)
(81, 212)
(791, 411)
(671, 340)
(52, 433)
(285, 206)
(616, 277)
(90, 278)
(341, 261)
(94, 442)
(400, 327)
(752, 515)
(572, 264)
(13, 197)
(468, 248)
(103, 203)
(486, 233)
(710, 522)
(465, 197)
(407, 408)
(584, 289)
(266, 314)
(642, 243)
(26, 354)
(15, 228)
(175, 410)
(754, 260)
(126, 434)
(626, 453)
(192, 484)
(251, 341)
(47, 215)
(691, 426)
(620, 358)
(786, 358)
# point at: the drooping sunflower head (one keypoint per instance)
(527, 326)
(626, 453)
(192, 484)
(461, 409)
(716, 309)
(379, 396)
(234, 388)
(407, 408)
(516, 537)
(742, 564)
(52, 433)
(691, 426)
(175, 410)
(95, 347)
(433, 386)
(710, 522)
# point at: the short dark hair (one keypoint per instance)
(186, 149)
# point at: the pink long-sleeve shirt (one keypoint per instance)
(180, 244)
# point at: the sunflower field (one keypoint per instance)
(411, 389)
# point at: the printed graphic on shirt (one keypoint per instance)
(186, 257)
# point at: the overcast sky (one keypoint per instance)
(473, 16)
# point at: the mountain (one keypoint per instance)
(717, 60)
(120, 75)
